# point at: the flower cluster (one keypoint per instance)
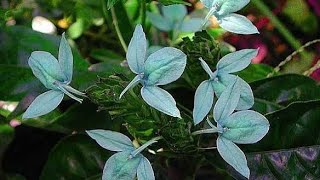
(162, 67)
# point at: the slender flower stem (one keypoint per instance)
(208, 148)
(290, 57)
(115, 23)
(144, 146)
(210, 13)
(184, 108)
(143, 13)
(205, 131)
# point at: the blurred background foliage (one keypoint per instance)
(53, 146)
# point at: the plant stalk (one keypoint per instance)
(115, 23)
(278, 24)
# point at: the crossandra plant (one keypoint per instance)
(156, 74)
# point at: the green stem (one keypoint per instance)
(278, 24)
(143, 13)
(155, 115)
(184, 108)
(115, 23)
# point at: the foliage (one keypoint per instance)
(169, 97)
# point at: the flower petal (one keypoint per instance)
(236, 61)
(46, 68)
(175, 12)
(246, 127)
(66, 58)
(203, 101)
(233, 155)
(120, 166)
(145, 171)
(164, 66)
(160, 22)
(132, 84)
(111, 140)
(238, 24)
(44, 104)
(160, 100)
(137, 50)
(227, 102)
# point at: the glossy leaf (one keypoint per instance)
(44, 104)
(145, 171)
(137, 49)
(74, 157)
(76, 118)
(255, 72)
(16, 82)
(227, 102)
(120, 166)
(296, 88)
(111, 140)
(164, 66)
(297, 163)
(175, 12)
(294, 126)
(236, 61)
(160, 100)
(233, 155)
(238, 24)
(245, 127)
(203, 101)
(46, 68)
(66, 58)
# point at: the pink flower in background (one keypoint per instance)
(254, 42)
(316, 74)
(315, 4)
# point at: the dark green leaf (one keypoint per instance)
(255, 72)
(277, 92)
(16, 82)
(295, 126)
(75, 157)
(19, 42)
(105, 55)
(124, 23)
(84, 116)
